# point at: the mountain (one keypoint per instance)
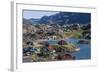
(26, 21)
(34, 21)
(61, 18)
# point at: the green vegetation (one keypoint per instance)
(67, 47)
(74, 34)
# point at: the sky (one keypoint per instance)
(36, 14)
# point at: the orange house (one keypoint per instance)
(50, 47)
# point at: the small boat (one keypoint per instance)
(77, 49)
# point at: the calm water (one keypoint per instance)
(85, 49)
